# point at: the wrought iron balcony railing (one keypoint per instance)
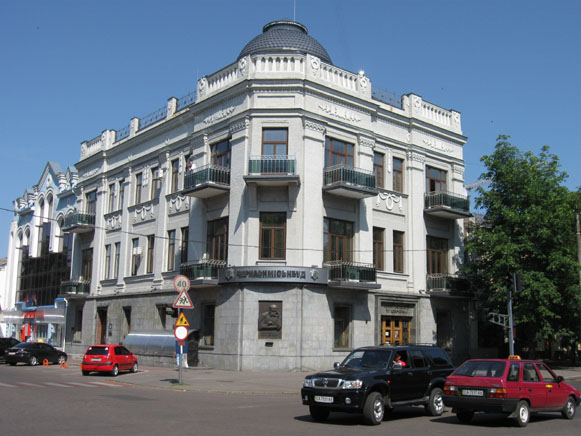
(76, 287)
(271, 165)
(354, 271)
(454, 284)
(78, 221)
(349, 181)
(443, 200)
(208, 174)
(202, 269)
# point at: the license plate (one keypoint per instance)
(11, 353)
(96, 360)
(320, 399)
(473, 392)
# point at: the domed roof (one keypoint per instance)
(285, 36)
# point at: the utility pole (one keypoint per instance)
(510, 321)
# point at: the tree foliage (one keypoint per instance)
(528, 228)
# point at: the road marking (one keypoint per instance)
(29, 384)
(83, 385)
(58, 385)
(7, 386)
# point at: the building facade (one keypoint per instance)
(310, 216)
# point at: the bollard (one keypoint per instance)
(45, 362)
(64, 364)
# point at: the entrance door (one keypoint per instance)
(102, 326)
(395, 331)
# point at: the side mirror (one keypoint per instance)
(336, 365)
(397, 366)
(560, 378)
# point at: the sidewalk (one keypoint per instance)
(238, 382)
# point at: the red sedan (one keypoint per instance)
(512, 386)
(108, 358)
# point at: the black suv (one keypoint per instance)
(370, 380)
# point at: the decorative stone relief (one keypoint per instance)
(219, 115)
(416, 157)
(458, 169)
(319, 128)
(316, 66)
(202, 86)
(340, 113)
(178, 203)
(144, 213)
(389, 200)
(366, 142)
(436, 145)
(113, 222)
(243, 66)
(362, 81)
(90, 173)
(239, 126)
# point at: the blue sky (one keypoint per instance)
(71, 69)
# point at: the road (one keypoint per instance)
(60, 401)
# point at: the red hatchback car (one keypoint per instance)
(108, 358)
(512, 386)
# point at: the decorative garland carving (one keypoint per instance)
(144, 213)
(113, 222)
(311, 125)
(243, 66)
(179, 203)
(390, 200)
(339, 113)
(316, 66)
(219, 115)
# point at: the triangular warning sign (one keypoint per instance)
(182, 321)
(183, 301)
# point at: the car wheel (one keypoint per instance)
(33, 361)
(373, 409)
(435, 406)
(319, 414)
(568, 411)
(134, 368)
(85, 372)
(522, 413)
(62, 359)
(464, 416)
(115, 371)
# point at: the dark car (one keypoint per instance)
(6, 343)
(511, 386)
(108, 358)
(369, 380)
(34, 353)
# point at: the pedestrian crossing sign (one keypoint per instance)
(183, 301)
(182, 321)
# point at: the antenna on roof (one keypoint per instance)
(294, 10)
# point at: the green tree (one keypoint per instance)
(528, 228)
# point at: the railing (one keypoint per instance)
(122, 133)
(346, 270)
(79, 219)
(348, 175)
(153, 118)
(281, 165)
(206, 174)
(446, 199)
(386, 96)
(202, 269)
(76, 287)
(459, 286)
(186, 100)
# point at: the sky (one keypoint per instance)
(70, 69)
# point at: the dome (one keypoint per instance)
(285, 36)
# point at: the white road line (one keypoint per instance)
(7, 386)
(58, 385)
(109, 385)
(83, 385)
(34, 385)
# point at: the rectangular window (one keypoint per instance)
(342, 321)
(435, 180)
(217, 239)
(138, 187)
(135, 255)
(274, 142)
(437, 255)
(107, 272)
(378, 235)
(175, 171)
(221, 154)
(121, 195)
(171, 250)
(155, 184)
(184, 244)
(112, 197)
(127, 313)
(398, 252)
(116, 261)
(87, 264)
(150, 253)
(397, 174)
(337, 240)
(91, 199)
(273, 235)
(208, 324)
(338, 153)
(378, 169)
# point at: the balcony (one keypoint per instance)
(447, 205)
(78, 222)
(203, 271)
(443, 284)
(78, 288)
(349, 182)
(272, 170)
(207, 181)
(351, 274)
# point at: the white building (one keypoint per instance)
(310, 216)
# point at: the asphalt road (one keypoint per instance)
(57, 401)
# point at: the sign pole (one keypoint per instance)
(180, 355)
(510, 320)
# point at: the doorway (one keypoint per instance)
(102, 325)
(395, 331)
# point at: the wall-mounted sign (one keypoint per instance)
(278, 274)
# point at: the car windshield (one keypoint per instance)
(24, 345)
(367, 359)
(482, 368)
(97, 351)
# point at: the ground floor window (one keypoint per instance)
(209, 314)
(342, 321)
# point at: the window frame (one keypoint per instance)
(378, 169)
(276, 144)
(274, 231)
(330, 238)
(171, 250)
(221, 158)
(437, 257)
(138, 187)
(398, 251)
(345, 158)
(436, 179)
(175, 175)
(397, 175)
(150, 254)
(344, 324)
(378, 248)
(217, 239)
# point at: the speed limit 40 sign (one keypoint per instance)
(181, 283)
